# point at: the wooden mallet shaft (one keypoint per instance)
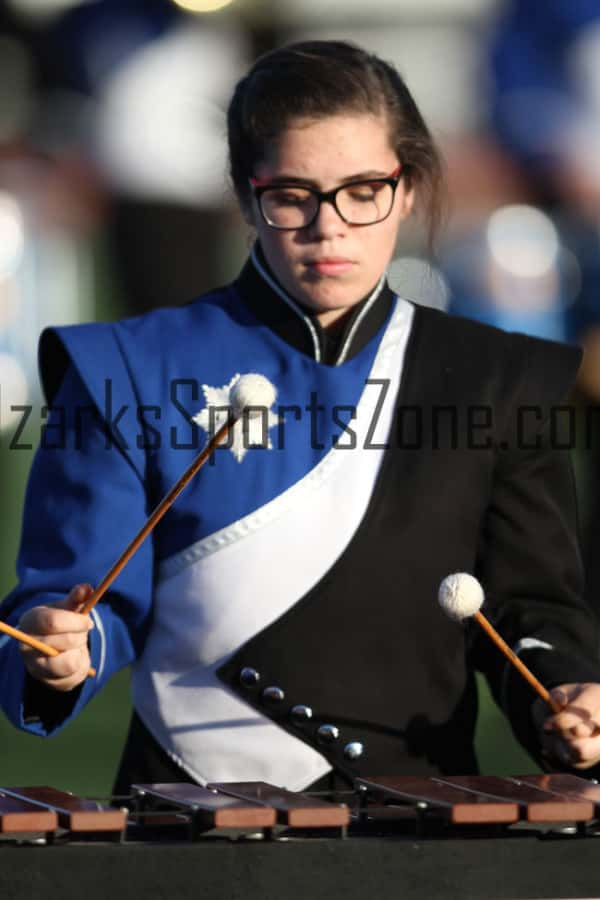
(155, 517)
(517, 663)
(33, 642)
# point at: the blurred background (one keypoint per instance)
(114, 199)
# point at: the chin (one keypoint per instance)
(331, 302)
(329, 294)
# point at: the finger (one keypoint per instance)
(44, 621)
(575, 753)
(565, 693)
(584, 749)
(584, 730)
(588, 698)
(70, 640)
(541, 710)
(76, 597)
(564, 696)
(586, 759)
(63, 684)
(569, 721)
(581, 714)
(54, 668)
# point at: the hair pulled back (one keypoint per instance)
(316, 79)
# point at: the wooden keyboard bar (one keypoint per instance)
(458, 806)
(564, 785)
(535, 805)
(293, 809)
(74, 813)
(209, 808)
(20, 816)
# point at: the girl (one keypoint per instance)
(282, 622)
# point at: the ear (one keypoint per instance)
(407, 202)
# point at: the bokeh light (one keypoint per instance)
(202, 6)
(523, 241)
(12, 235)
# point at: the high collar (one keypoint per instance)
(300, 327)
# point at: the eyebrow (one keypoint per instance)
(297, 179)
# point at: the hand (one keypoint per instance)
(572, 736)
(62, 626)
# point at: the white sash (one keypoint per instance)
(217, 594)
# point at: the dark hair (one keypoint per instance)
(314, 79)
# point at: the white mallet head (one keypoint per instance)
(460, 595)
(252, 390)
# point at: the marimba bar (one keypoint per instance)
(447, 801)
(73, 813)
(565, 786)
(536, 804)
(400, 802)
(490, 799)
(18, 815)
(209, 808)
(294, 810)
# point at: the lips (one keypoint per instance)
(330, 265)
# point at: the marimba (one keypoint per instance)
(467, 837)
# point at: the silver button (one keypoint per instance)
(273, 694)
(249, 677)
(354, 750)
(328, 733)
(301, 713)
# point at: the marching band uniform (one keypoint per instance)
(283, 619)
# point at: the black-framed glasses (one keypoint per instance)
(292, 206)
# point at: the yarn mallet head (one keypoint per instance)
(252, 393)
(460, 595)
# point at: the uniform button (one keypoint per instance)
(328, 733)
(354, 750)
(249, 677)
(301, 713)
(273, 694)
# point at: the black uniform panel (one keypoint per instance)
(368, 650)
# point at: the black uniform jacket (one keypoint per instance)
(475, 478)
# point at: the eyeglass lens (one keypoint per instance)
(358, 204)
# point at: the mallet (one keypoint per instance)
(251, 392)
(461, 596)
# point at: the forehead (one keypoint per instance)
(331, 148)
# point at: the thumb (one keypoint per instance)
(565, 693)
(76, 597)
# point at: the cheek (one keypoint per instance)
(382, 245)
(278, 248)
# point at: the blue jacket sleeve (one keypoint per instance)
(85, 501)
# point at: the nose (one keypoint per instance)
(328, 223)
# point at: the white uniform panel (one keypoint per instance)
(216, 595)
